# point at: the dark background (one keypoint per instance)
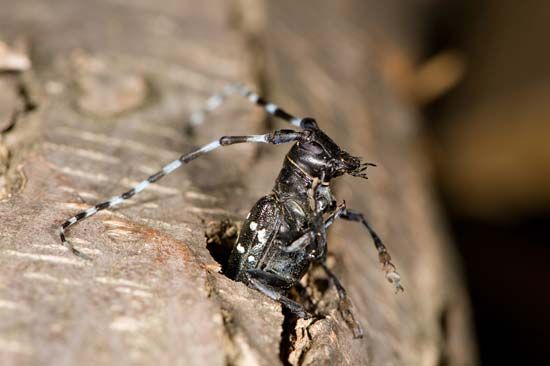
(487, 131)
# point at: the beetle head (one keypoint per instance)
(319, 156)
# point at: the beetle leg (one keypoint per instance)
(315, 252)
(268, 278)
(304, 295)
(335, 214)
(383, 256)
(299, 244)
(345, 304)
(268, 284)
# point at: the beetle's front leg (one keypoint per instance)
(384, 257)
(270, 285)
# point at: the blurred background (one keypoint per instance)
(484, 88)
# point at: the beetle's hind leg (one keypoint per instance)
(344, 305)
(270, 284)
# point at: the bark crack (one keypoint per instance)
(16, 103)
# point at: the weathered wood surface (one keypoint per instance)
(110, 84)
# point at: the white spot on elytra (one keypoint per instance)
(253, 226)
(262, 237)
(247, 216)
(251, 258)
(240, 248)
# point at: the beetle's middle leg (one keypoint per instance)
(270, 285)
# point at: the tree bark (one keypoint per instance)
(105, 102)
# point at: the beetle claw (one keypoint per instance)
(393, 277)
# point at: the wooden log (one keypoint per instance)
(111, 83)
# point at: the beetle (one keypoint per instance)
(285, 232)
